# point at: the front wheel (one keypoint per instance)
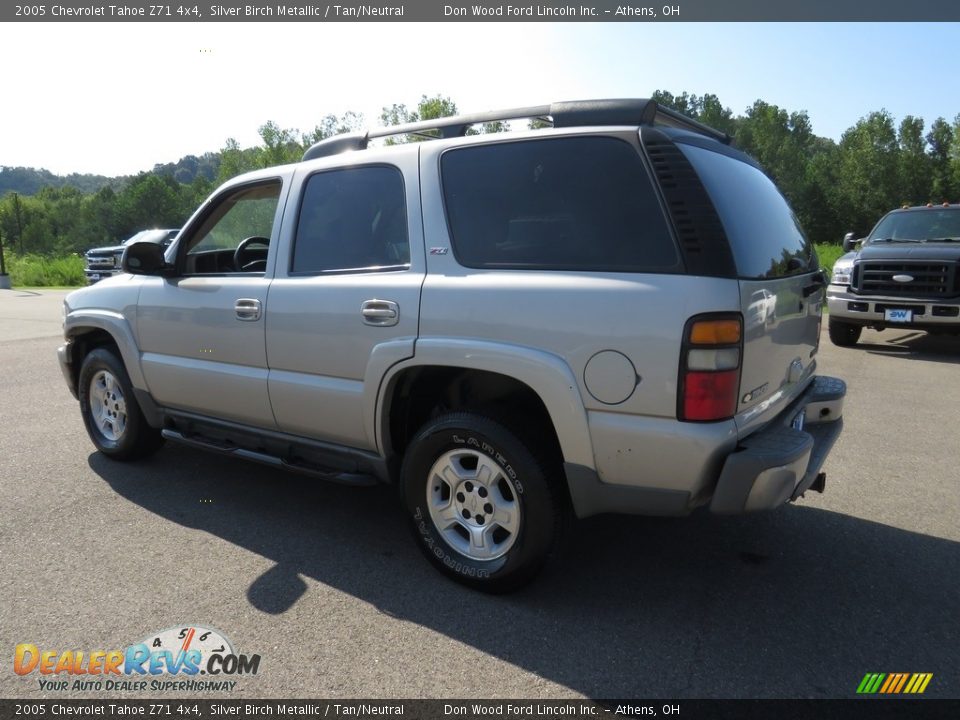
(110, 410)
(844, 334)
(482, 503)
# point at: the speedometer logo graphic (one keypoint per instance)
(182, 639)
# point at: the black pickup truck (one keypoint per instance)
(903, 274)
(104, 262)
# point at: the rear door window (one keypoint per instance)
(765, 236)
(353, 219)
(578, 203)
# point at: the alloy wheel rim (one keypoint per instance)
(108, 407)
(474, 504)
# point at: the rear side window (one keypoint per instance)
(583, 203)
(764, 234)
(352, 219)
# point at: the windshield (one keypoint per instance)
(918, 225)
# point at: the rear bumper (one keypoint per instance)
(780, 462)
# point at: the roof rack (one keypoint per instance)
(579, 113)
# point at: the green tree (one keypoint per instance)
(954, 162)
(429, 108)
(19, 217)
(332, 125)
(149, 201)
(235, 161)
(99, 220)
(940, 140)
(868, 183)
(915, 164)
(280, 145)
(704, 108)
(780, 141)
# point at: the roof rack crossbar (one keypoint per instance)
(460, 123)
(563, 114)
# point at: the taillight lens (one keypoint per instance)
(710, 368)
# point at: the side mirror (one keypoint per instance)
(849, 240)
(145, 258)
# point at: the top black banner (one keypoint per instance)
(488, 10)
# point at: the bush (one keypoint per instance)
(39, 271)
(828, 254)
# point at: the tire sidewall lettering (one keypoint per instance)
(494, 439)
(481, 445)
(436, 546)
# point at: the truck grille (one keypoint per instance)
(929, 280)
(101, 261)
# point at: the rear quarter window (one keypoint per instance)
(764, 234)
(582, 203)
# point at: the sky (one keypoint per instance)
(117, 98)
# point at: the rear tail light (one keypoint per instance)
(710, 362)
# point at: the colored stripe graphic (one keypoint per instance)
(870, 683)
(894, 683)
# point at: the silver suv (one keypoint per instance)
(619, 313)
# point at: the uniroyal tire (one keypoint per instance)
(482, 503)
(110, 410)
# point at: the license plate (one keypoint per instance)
(798, 421)
(94, 276)
(898, 315)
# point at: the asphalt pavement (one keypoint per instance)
(325, 584)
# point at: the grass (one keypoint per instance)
(40, 271)
(828, 254)
(67, 272)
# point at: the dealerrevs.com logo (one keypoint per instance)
(184, 658)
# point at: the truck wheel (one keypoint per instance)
(482, 504)
(110, 410)
(844, 334)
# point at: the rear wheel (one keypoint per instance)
(844, 334)
(482, 503)
(110, 411)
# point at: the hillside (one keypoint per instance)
(29, 181)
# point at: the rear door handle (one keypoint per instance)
(247, 309)
(380, 313)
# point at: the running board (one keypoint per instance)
(203, 443)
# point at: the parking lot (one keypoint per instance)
(326, 585)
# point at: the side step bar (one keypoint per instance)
(198, 441)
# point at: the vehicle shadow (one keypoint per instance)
(796, 603)
(913, 344)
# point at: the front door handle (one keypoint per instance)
(381, 313)
(247, 309)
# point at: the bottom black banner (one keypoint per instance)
(875, 709)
